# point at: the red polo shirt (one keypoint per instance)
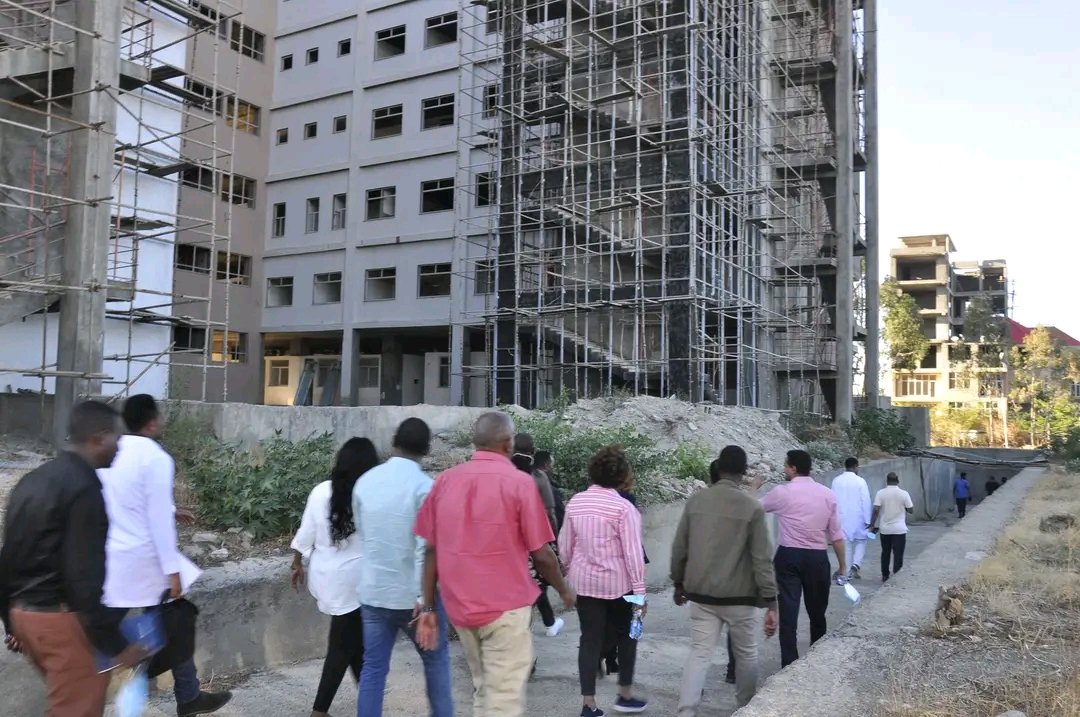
(484, 517)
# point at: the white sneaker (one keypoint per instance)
(555, 629)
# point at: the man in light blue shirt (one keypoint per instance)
(385, 503)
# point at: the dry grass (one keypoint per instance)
(1018, 647)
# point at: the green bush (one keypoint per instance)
(830, 452)
(883, 428)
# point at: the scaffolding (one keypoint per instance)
(101, 120)
(657, 197)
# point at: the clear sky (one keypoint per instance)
(980, 139)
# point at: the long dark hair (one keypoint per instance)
(355, 458)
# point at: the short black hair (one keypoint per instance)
(800, 460)
(963, 475)
(139, 410)
(732, 461)
(851, 463)
(542, 459)
(413, 437)
(524, 443)
(91, 418)
(892, 479)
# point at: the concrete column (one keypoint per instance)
(81, 334)
(457, 368)
(873, 257)
(350, 356)
(390, 372)
(845, 210)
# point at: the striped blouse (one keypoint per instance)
(600, 544)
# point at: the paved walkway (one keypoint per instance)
(288, 691)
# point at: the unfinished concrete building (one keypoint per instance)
(673, 197)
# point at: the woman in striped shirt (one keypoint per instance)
(600, 544)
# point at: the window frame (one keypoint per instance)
(311, 130)
(187, 348)
(425, 191)
(344, 47)
(278, 223)
(255, 49)
(229, 193)
(312, 226)
(370, 275)
(490, 101)
(434, 104)
(389, 112)
(388, 34)
(369, 198)
(282, 135)
(326, 278)
(344, 121)
(363, 371)
(311, 56)
(291, 286)
(439, 269)
(286, 63)
(239, 355)
(339, 217)
(484, 268)
(229, 108)
(239, 275)
(197, 251)
(273, 372)
(485, 179)
(436, 23)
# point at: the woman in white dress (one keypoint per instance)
(329, 547)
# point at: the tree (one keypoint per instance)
(903, 328)
(986, 330)
(1042, 387)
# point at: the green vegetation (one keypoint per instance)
(903, 328)
(1041, 396)
(872, 430)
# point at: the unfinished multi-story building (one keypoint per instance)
(923, 268)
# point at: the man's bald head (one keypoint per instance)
(494, 431)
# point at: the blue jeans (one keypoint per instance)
(185, 682)
(381, 628)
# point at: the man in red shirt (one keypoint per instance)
(482, 521)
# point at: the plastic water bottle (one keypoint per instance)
(851, 593)
(134, 695)
(636, 626)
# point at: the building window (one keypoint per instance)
(233, 268)
(434, 280)
(238, 189)
(193, 258)
(242, 115)
(205, 94)
(286, 62)
(311, 216)
(386, 121)
(444, 372)
(491, 21)
(341, 123)
(367, 372)
(212, 14)
(344, 47)
(381, 202)
(199, 178)
(311, 130)
(485, 189)
(1076, 390)
(390, 42)
(337, 217)
(484, 279)
(187, 338)
(381, 284)
(311, 56)
(327, 288)
(437, 112)
(283, 135)
(279, 291)
(277, 373)
(491, 99)
(959, 381)
(916, 386)
(228, 346)
(437, 195)
(441, 30)
(278, 224)
(991, 385)
(247, 41)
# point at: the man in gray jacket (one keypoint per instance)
(721, 563)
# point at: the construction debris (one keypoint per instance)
(950, 610)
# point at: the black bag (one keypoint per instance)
(178, 620)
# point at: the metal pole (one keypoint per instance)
(873, 257)
(81, 334)
(845, 210)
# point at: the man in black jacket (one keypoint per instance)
(52, 568)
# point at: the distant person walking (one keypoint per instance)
(481, 522)
(892, 505)
(962, 494)
(600, 544)
(385, 507)
(52, 568)
(808, 522)
(853, 504)
(991, 486)
(721, 563)
(327, 542)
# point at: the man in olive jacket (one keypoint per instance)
(721, 563)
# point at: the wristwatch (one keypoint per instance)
(426, 609)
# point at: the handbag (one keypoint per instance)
(178, 619)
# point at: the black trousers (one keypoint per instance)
(344, 651)
(892, 546)
(961, 507)
(595, 614)
(801, 574)
(547, 614)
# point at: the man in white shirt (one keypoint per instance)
(853, 505)
(892, 506)
(385, 503)
(142, 560)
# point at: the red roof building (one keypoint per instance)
(1018, 331)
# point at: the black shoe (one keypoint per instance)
(204, 704)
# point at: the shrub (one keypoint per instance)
(882, 428)
(828, 452)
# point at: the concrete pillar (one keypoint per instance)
(350, 356)
(390, 373)
(457, 361)
(81, 334)
(873, 257)
(845, 210)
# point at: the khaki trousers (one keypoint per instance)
(500, 656)
(57, 645)
(706, 623)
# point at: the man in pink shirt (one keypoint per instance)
(809, 521)
(481, 521)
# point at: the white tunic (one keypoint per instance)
(853, 504)
(141, 551)
(333, 574)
